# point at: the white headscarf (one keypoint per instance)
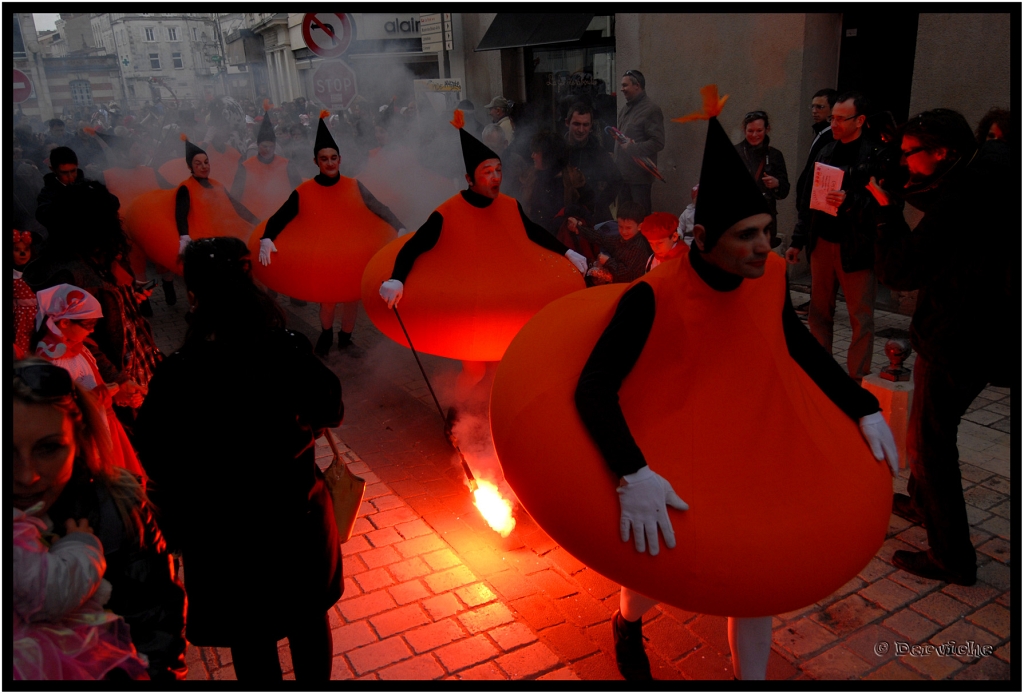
(64, 301)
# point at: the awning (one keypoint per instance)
(518, 29)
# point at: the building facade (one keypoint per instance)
(163, 56)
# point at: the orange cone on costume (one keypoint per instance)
(786, 501)
(323, 251)
(151, 217)
(457, 303)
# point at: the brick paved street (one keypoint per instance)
(432, 593)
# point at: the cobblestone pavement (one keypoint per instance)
(432, 593)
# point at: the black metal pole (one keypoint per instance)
(440, 410)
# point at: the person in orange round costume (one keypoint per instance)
(128, 183)
(329, 240)
(700, 370)
(202, 207)
(264, 181)
(224, 159)
(461, 304)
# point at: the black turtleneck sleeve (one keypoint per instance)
(242, 210)
(422, 241)
(279, 220)
(379, 208)
(614, 356)
(182, 203)
(541, 236)
(826, 373)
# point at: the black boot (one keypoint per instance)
(323, 343)
(169, 296)
(344, 339)
(296, 302)
(630, 656)
(449, 424)
(145, 309)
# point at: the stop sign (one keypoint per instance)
(22, 87)
(334, 84)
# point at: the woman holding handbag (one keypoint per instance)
(226, 434)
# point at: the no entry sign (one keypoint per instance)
(327, 34)
(22, 87)
(334, 84)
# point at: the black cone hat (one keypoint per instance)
(727, 191)
(266, 133)
(473, 150)
(191, 150)
(324, 139)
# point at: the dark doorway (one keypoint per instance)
(876, 57)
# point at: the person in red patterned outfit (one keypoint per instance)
(24, 298)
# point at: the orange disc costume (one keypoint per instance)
(127, 185)
(175, 170)
(459, 306)
(323, 251)
(266, 185)
(786, 501)
(153, 225)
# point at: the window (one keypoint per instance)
(19, 41)
(172, 34)
(81, 92)
(150, 33)
(154, 61)
(195, 34)
(179, 64)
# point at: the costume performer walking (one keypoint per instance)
(331, 204)
(472, 228)
(730, 250)
(264, 181)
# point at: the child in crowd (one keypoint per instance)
(24, 299)
(66, 317)
(623, 258)
(661, 230)
(61, 631)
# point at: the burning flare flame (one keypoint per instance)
(495, 509)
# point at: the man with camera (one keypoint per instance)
(841, 247)
(960, 257)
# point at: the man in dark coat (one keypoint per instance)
(585, 152)
(642, 121)
(821, 124)
(52, 203)
(842, 246)
(960, 329)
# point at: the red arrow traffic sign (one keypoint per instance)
(22, 87)
(328, 34)
(334, 84)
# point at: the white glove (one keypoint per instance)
(391, 291)
(266, 248)
(578, 260)
(643, 500)
(182, 242)
(879, 437)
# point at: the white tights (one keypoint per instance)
(750, 638)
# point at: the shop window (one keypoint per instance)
(172, 34)
(179, 64)
(562, 76)
(154, 61)
(150, 33)
(81, 92)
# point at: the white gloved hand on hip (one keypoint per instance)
(266, 248)
(578, 260)
(183, 241)
(880, 439)
(643, 501)
(391, 291)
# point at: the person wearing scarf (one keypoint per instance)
(66, 316)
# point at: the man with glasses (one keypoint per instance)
(964, 192)
(841, 247)
(642, 121)
(821, 124)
